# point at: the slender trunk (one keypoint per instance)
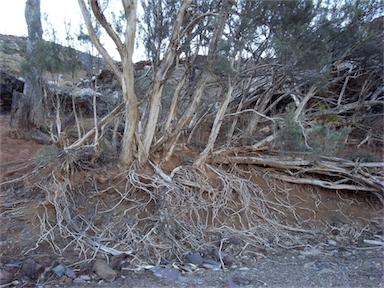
(202, 81)
(215, 128)
(129, 147)
(158, 84)
(125, 75)
(33, 91)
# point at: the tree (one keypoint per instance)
(28, 110)
(125, 75)
(133, 143)
(157, 26)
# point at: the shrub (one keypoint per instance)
(321, 138)
(46, 155)
(325, 138)
(290, 137)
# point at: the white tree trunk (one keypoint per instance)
(215, 127)
(125, 75)
(158, 83)
(33, 90)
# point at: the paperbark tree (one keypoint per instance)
(125, 75)
(132, 143)
(27, 108)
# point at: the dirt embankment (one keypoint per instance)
(333, 261)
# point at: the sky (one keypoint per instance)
(12, 20)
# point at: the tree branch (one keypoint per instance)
(103, 21)
(96, 41)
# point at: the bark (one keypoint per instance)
(158, 83)
(125, 75)
(30, 111)
(345, 175)
(202, 80)
(96, 41)
(130, 146)
(215, 128)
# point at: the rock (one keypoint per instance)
(5, 277)
(85, 277)
(211, 264)
(104, 271)
(65, 280)
(86, 92)
(79, 280)
(117, 261)
(70, 273)
(32, 269)
(167, 273)
(195, 258)
(227, 258)
(9, 84)
(332, 242)
(59, 270)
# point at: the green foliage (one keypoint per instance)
(46, 56)
(322, 138)
(156, 25)
(290, 137)
(46, 155)
(362, 156)
(330, 119)
(325, 138)
(306, 34)
(6, 48)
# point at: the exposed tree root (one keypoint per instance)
(330, 173)
(156, 217)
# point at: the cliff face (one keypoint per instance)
(9, 83)
(12, 54)
(12, 57)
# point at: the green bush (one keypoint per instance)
(321, 138)
(325, 138)
(362, 156)
(290, 137)
(46, 155)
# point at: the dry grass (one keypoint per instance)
(159, 218)
(156, 221)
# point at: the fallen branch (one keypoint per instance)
(322, 183)
(348, 175)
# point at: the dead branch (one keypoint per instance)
(322, 183)
(107, 119)
(216, 127)
(352, 176)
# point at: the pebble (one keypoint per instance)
(79, 280)
(211, 264)
(331, 242)
(32, 269)
(59, 270)
(167, 273)
(104, 271)
(70, 273)
(195, 258)
(5, 276)
(85, 277)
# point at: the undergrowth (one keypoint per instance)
(157, 221)
(319, 138)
